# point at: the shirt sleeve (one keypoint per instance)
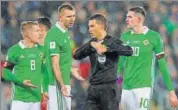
(53, 46)
(158, 47)
(11, 56)
(159, 51)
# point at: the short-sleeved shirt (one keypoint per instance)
(27, 63)
(139, 68)
(57, 42)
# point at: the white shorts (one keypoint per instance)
(56, 100)
(19, 105)
(136, 99)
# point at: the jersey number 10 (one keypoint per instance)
(32, 64)
(135, 51)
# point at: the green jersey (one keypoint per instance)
(57, 42)
(27, 66)
(139, 68)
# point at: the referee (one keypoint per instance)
(103, 51)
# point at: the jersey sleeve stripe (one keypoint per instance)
(54, 54)
(159, 53)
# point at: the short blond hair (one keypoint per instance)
(64, 6)
(26, 25)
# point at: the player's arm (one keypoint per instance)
(120, 64)
(56, 69)
(54, 50)
(8, 75)
(163, 69)
(45, 79)
(83, 51)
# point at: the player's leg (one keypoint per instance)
(19, 105)
(108, 97)
(52, 103)
(143, 97)
(91, 102)
(128, 101)
(35, 106)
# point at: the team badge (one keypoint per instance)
(41, 55)
(146, 42)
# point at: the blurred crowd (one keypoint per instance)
(162, 16)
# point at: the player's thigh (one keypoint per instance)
(19, 105)
(35, 106)
(143, 96)
(52, 93)
(128, 100)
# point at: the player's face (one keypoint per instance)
(131, 19)
(94, 28)
(34, 34)
(43, 32)
(68, 18)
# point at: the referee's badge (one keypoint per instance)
(52, 45)
(146, 42)
(101, 59)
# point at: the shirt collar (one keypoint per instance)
(59, 27)
(21, 44)
(146, 29)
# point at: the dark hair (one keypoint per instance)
(65, 6)
(44, 21)
(100, 18)
(138, 9)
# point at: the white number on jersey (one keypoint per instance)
(32, 64)
(135, 51)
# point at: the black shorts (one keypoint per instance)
(102, 97)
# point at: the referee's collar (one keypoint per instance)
(59, 27)
(21, 44)
(146, 29)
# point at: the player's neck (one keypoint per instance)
(138, 29)
(28, 43)
(62, 26)
(102, 35)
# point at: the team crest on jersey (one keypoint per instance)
(41, 55)
(146, 42)
(52, 45)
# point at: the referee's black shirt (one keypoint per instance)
(103, 67)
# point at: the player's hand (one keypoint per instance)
(29, 84)
(173, 99)
(76, 74)
(64, 91)
(44, 101)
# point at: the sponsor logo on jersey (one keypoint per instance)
(146, 42)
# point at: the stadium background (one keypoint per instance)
(162, 16)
